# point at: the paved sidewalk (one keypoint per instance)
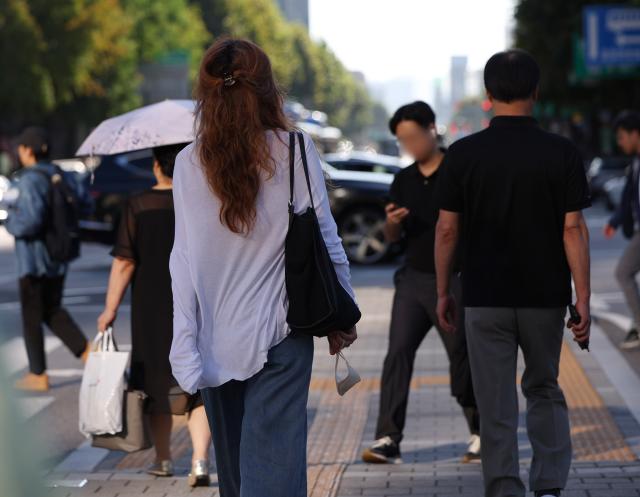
(605, 434)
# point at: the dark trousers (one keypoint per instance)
(41, 302)
(412, 316)
(494, 335)
(259, 426)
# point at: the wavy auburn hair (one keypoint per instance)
(237, 100)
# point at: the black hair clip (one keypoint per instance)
(227, 56)
(229, 80)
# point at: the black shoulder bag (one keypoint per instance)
(318, 304)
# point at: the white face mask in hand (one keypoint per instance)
(345, 384)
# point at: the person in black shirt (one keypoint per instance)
(514, 193)
(141, 259)
(413, 212)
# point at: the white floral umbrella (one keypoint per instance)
(165, 123)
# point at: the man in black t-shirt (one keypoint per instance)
(519, 192)
(413, 212)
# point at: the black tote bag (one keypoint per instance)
(318, 304)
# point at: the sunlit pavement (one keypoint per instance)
(602, 389)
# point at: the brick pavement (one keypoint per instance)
(436, 433)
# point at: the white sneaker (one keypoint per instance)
(473, 450)
(383, 451)
(631, 341)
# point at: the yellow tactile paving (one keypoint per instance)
(335, 435)
(321, 384)
(594, 433)
(337, 429)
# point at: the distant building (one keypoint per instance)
(475, 84)
(359, 76)
(394, 93)
(458, 78)
(295, 10)
(440, 103)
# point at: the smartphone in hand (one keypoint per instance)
(574, 317)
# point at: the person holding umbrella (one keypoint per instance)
(141, 258)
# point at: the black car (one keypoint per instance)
(112, 180)
(601, 171)
(357, 201)
(365, 162)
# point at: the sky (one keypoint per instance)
(411, 39)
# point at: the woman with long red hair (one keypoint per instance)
(231, 339)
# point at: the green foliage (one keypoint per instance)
(79, 60)
(75, 62)
(261, 22)
(307, 70)
(166, 27)
(53, 56)
(20, 62)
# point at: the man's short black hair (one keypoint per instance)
(628, 120)
(166, 157)
(511, 75)
(35, 138)
(419, 112)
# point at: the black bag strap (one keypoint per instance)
(51, 177)
(292, 164)
(303, 154)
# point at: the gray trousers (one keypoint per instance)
(259, 425)
(626, 270)
(493, 337)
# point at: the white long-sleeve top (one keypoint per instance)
(230, 300)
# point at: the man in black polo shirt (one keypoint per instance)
(413, 212)
(513, 194)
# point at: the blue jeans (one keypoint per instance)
(259, 426)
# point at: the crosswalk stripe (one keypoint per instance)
(621, 321)
(76, 300)
(10, 306)
(91, 290)
(76, 304)
(14, 355)
(30, 406)
(64, 373)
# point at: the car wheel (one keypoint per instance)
(362, 235)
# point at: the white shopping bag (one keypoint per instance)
(103, 387)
